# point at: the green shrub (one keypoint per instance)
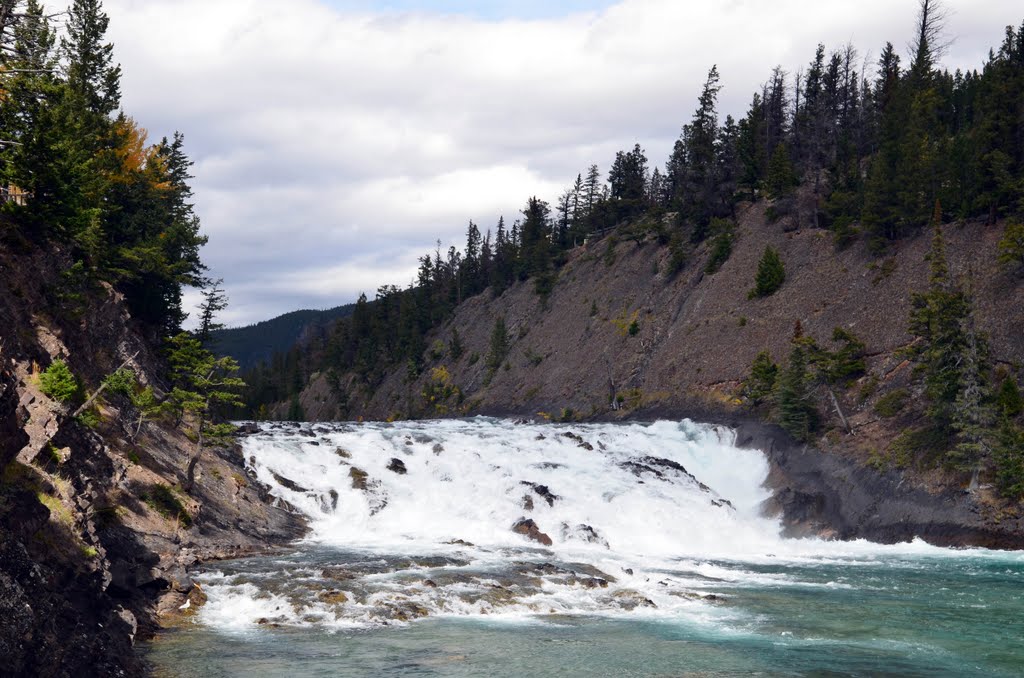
(891, 404)
(89, 418)
(58, 383)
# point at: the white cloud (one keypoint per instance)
(336, 146)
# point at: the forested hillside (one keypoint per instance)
(260, 342)
(842, 171)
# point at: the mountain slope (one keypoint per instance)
(618, 338)
(257, 343)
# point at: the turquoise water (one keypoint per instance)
(492, 548)
(956, 615)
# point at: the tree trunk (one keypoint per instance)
(190, 471)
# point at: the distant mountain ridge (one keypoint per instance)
(255, 343)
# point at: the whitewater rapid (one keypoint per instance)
(413, 520)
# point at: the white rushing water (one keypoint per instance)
(416, 519)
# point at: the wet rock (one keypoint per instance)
(247, 429)
(589, 582)
(329, 502)
(343, 453)
(460, 542)
(333, 597)
(722, 503)
(397, 466)
(527, 502)
(289, 484)
(405, 611)
(430, 583)
(542, 491)
(548, 465)
(630, 600)
(540, 436)
(438, 448)
(359, 478)
(338, 574)
(585, 533)
(529, 529)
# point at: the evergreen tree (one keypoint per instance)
(1008, 399)
(1008, 456)
(94, 80)
(499, 346)
(760, 386)
(771, 273)
(700, 181)
(781, 178)
(937, 321)
(973, 417)
(215, 300)
(204, 386)
(797, 413)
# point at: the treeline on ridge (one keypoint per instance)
(871, 156)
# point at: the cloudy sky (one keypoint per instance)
(336, 140)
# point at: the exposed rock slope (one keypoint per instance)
(95, 537)
(694, 338)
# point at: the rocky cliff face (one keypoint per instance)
(618, 338)
(96, 537)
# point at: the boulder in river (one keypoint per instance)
(529, 529)
(359, 478)
(542, 491)
(397, 466)
(288, 484)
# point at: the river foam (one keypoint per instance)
(413, 520)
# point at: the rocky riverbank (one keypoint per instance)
(96, 534)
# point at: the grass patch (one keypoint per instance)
(58, 511)
(164, 501)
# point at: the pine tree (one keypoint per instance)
(1008, 399)
(93, 78)
(937, 320)
(215, 300)
(797, 413)
(764, 373)
(204, 386)
(771, 273)
(1008, 456)
(498, 348)
(781, 179)
(973, 417)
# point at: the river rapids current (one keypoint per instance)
(490, 547)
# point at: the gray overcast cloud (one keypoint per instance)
(333, 146)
